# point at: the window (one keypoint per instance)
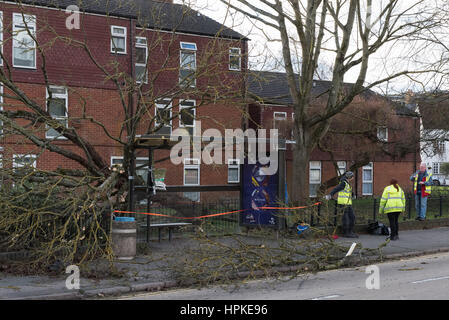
(141, 60)
(192, 177)
(57, 106)
(382, 134)
(1, 36)
(440, 147)
(341, 168)
(233, 171)
(118, 39)
(163, 116)
(187, 64)
(235, 60)
(187, 115)
(367, 176)
(141, 177)
(280, 123)
(436, 168)
(314, 177)
(24, 46)
(24, 161)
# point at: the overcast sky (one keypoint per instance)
(264, 53)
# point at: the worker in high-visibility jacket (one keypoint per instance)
(344, 202)
(393, 204)
(422, 186)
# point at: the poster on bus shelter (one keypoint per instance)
(259, 190)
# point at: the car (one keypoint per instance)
(436, 182)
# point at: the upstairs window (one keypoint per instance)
(118, 39)
(187, 115)
(187, 67)
(24, 162)
(57, 105)
(24, 46)
(141, 60)
(341, 168)
(440, 147)
(235, 60)
(382, 134)
(163, 117)
(280, 123)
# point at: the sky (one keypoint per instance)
(397, 56)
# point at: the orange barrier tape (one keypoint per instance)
(215, 214)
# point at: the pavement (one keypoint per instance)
(150, 273)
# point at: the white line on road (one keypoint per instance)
(327, 297)
(431, 279)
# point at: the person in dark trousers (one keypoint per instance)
(422, 187)
(344, 202)
(393, 204)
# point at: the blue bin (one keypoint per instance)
(125, 219)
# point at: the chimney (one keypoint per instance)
(408, 96)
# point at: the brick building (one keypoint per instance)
(181, 59)
(373, 130)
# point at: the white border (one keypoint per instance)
(119, 36)
(31, 23)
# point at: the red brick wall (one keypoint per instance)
(71, 66)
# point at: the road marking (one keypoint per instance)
(327, 297)
(431, 279)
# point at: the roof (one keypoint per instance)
(272, 88)
(150, 14)
(434, 110)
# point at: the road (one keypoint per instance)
(420, 278)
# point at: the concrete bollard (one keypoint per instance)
(124, 238)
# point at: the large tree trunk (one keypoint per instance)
(300, 187)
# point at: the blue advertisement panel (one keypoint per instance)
(259, 190)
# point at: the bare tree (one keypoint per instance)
(349, 33)
(75, 198)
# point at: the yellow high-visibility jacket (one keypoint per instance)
(345, 196)
(392, 200)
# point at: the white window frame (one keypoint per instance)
(30, 23)
(441, 146)
(21, 156)
(341, 167)
(165, 106)
(277, 113)
(436, 166)
(313, 165)
(118, 35)
(181, 125)
(233, 54)
(234, 164)
(369, 167)
(192, 164)
(144, 46)
(64, 96)
(185, 48)
(279, 116)
(386, 133)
